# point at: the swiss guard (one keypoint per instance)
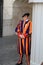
(24, 32)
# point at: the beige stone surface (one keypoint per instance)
(12, 13)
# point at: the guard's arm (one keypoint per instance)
(30, 28)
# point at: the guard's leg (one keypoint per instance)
(27, 49)
(29, 45)
(20, 54)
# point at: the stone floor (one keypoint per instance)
(8, 51)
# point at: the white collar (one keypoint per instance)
(27, 19)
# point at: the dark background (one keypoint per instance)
(1, 17)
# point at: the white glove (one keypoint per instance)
(22, 36)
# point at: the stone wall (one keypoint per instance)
(13, 12)
(7, 17)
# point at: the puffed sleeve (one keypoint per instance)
(26, 27)
(17, 29)
(30, 28)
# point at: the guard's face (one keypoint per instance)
(25, 18)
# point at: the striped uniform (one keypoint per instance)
(24, 44)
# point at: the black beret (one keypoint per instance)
(26, 14)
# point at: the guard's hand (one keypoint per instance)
(22, 36)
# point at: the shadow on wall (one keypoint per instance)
(19, 8)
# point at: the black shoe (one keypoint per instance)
(19, 63)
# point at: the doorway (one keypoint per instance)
(1, 17)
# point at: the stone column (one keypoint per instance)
(37, 33)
